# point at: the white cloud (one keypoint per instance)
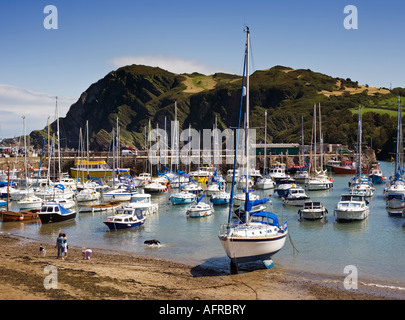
(172, 64)
(17, 102)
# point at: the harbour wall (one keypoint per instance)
(140, 162)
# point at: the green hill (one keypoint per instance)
(138, 93)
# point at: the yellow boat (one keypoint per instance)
(95, 169)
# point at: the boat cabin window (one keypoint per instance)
(50, 209)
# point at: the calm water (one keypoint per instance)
(376, 246)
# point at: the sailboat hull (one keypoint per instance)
(241, 250)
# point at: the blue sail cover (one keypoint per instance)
(268, 217)
(200, 198)
(250, 204)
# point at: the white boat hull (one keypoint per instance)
(350, 215)
(241, 249)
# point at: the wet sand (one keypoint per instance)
(122, 276)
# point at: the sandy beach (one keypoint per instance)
(121, 276)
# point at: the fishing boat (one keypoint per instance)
(183, 197)
(125, 218)
(257, 236)
(312, 211)
(376, 175)
(143, 201)
(352, 207)
(346, 167)
(200, 209)
(54, 212)
(101, 207)
(296, 196)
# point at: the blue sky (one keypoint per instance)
(95, 37)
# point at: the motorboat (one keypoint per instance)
(240, 198)
(143, 179)
(284, 186)
(320, 182)
(192, 187)
(183, 197)
(278, 172)
(301, 176)
(100, 207)
(54, 212)
(312, 211)
(29, 202)
(155, 187)
(220, 198)
(125, 218)
(200, 209)
(352, 207)
(122, 192)
(296, 196)
(395, 201)
(265, 183)
(143, 201)
(87, 195)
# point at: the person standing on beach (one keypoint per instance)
(59, 245)
(65, 246)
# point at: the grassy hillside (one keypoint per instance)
(136, 94)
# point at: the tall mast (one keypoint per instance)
(58, 136)
(25, 154)
(247, 120)
(265, 142)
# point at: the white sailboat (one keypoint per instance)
(256, 236)
(360, 184)
(318, 180)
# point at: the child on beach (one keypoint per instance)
(65, 246)
(59, 245)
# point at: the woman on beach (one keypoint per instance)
(59, 245)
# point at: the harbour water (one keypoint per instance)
(375, 246)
